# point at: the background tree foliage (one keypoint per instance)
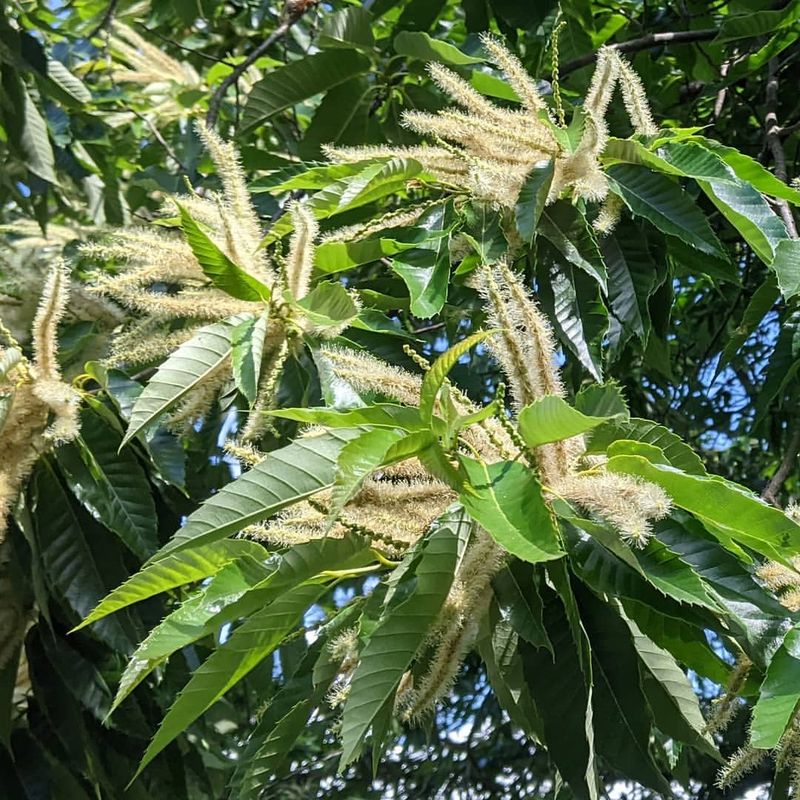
(689, 308)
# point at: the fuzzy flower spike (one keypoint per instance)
(488, 151)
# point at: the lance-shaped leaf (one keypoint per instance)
(192, 363)
(112, 485)
(288, 85)
(173, 571)
(779, 694)
(621, 714)
(730, 509)
(786, 267)
(379, 415)
(435, 376)
(660, 200)
(247, 352)
(532, 197)
(565, 227)
(286, 476)
(329, 305)
(670, 695)
(247, 647)
(417, 44)
(198, 616)
(551, 419)
(750, 215)
(401, 630)
(224, 274)
(506, 499)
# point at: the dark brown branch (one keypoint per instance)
(160, 139)
(773, 143)
(771, 490)
(635, 45)
(293, 10)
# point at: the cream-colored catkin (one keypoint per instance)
(744, 760)
(725, 707)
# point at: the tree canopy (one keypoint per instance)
(399, 399)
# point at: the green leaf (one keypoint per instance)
(358, 459)
(222, 272)
(68, 83)
(662, 201)
(401, 630)
(564, 702)
(186, 368)
(173, 571)
(687, 159)
(750, 215)
(73, 569)
(673, 576)
(621, 714)
(679, 454)
(568, 231)
(287, 86)
(348, 27)
(436, 375)
(532, 197)
(745, 26)
(426, 270)
(416, 44)
(194, 619)
(376, 179)
(552, 419)
(290, 474)
(727, 507)
(247, 352)
(749, 171)
(506, 499)
(247, 647)
(498, 649)
(328, 305)
(492, 86)
(602, 400)
(516, 588)
(335, 256)
(779, 694)
(786, 267)
(112, 485)
(35, 143)
(670, 695)
(379, 415)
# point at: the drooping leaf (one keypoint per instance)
(328, 305)
(779, 694)
(532, 197)
(787, 267)
(112, 485)
(247, 647)
(346, 28)
(662, 202)
(400, 631)
(728, 507)
(173, 571)
(186, 368)
(247, 352)
(289, 475)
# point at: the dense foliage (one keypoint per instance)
(399, 399)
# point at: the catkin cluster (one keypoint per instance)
(488, 151)
(159, 278)
(39, 409)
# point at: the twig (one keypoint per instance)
(770, 493)
(635, 45)
(293, 10)
(105, 21)
(160, 139)
(773, 143)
